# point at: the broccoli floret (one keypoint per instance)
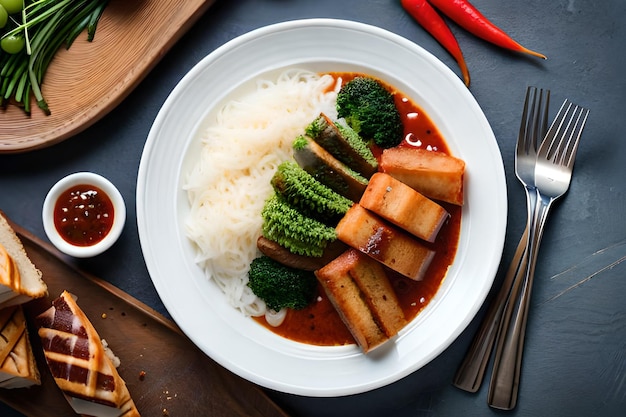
(309, 196)
(294, 231)
(369, 108)
(281, 286)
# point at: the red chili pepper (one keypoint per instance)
(467, 16)
(434, 24)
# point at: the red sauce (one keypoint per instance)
(83, 215)
(319, 323)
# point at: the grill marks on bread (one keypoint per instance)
(77, 359)
(18, 368)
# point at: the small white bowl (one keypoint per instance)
(65, 184)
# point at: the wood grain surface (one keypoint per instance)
(180, 380)
(87, 81)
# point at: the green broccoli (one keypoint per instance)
(281, 286)
(293, 230)
(308, 195)
(369, 108)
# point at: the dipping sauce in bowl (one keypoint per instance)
(83, 214)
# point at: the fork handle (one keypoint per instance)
(470, 373)
(504, 385)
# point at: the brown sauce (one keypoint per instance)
(319, 323)
(83, 215)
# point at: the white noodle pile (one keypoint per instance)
(230, 183)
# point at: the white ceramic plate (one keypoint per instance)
(198, 306)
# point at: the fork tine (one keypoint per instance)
(540, 117)
(542, 127)
(522, 142)
(577, 130)
(554, 136)
(534, 122)
(561, 142)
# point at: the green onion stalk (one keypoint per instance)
(42, 26)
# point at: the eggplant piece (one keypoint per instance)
(327, 169)
(342, 142)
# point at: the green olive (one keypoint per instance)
(12, 6)
(12, 44)
(4, 16)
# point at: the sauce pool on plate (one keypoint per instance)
(83, 215)
(319, 323)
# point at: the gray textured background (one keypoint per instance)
(574, 363)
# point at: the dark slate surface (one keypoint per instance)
(575, 357)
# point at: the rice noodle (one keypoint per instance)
(228, 186)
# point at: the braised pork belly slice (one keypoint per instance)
(360, 291)
(388, 244)
(403, 206)
(435, 174)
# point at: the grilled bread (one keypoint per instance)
(79, 362)
(18, 368)
(20, 280)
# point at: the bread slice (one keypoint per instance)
(18, 368)
(403, 206)
(381, 240)
(79, 362)
(20, 280)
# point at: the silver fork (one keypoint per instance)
(553, 174)
(533, 127)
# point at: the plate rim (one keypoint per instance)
(299, 24)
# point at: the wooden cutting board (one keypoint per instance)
(165, 372)
(87, 81)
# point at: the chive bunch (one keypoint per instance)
(30, 36)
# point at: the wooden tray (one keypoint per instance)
(178, 378)
(87, 81)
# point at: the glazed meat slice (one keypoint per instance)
(348, 300)
(360, 290)
(434, 174)
(404, 207)
(388, 244)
